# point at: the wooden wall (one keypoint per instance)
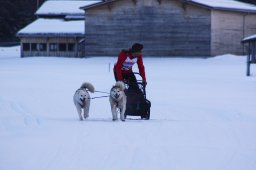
(250, 28)
(165, 27)
(78, 52)
(228, 29)
(250, 25)
(227, 32)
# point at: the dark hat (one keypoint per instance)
(136, 48)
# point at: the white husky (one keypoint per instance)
(117, 100)
(82, 99)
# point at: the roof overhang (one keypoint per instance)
(63, 7)
(249, 38)
(249, 9)
(49, 35)
(224, 5)
(97, 4)
(53, 27)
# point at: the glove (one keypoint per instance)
(125, 81)
(144, 83)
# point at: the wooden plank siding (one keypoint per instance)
(227, 32)
(78, 52)
(228, 29)
(166, 28)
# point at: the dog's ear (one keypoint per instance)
(112, 88)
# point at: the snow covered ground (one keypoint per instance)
(203, 116)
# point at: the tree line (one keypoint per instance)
(16, 14)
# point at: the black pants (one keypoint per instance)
(131, 79)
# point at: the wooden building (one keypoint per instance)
(168, 27)
(58, 31)
(52, 37)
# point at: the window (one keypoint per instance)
(33, 47)
(41, 47)
(71, 47)
(53, 47)
(62, 47)
(26, 46)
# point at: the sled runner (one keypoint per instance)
(137, 103)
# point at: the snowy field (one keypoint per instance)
(203, 116)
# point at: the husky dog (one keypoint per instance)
(117, 100)
(82, 100)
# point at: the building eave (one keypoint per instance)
(219, 8)
(249, 39)
(53, 27)
(23, 35)
(183, 1)
(97, 4)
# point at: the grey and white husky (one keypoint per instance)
(82, 100)
(117, 100)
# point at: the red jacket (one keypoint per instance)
(125, 62)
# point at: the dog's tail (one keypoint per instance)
(120, 84)
(88, 86)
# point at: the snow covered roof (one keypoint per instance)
(249, 38)
(63, 7)
(230, 5)
(74, 17)
(53, 27)
(97, 4)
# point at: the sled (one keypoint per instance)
(137, 103)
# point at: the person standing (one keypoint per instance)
(126, 60)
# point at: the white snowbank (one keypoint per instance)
(9, 52)
(202, 116)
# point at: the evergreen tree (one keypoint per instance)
(14, 15)
(249, 1)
